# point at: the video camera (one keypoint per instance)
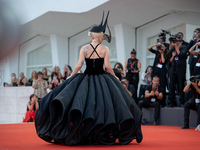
(175, 38)
(195, 78)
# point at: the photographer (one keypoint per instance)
(125, 86)
(146, 80)
(180, 34)
(153, 96)
(132, 68)
(40, 86)
(196, 53)
(192, 58)
(32, 106)
(159, 65)
(118, 70)
(193, 102)
(128, 86)
(177, 70)
(55, 81)
(45, 76)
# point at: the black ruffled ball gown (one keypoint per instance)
(89, 108)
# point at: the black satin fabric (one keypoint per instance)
(88, 109)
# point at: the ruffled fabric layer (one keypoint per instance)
(85, 109)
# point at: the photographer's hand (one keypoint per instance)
(172, 58)
(150, 47)
(152, 93)
(196, 86)
(198, 43)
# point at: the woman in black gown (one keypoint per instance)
(90, 107)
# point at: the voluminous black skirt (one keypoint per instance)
(85, 109)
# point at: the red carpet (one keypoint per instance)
(23, 137)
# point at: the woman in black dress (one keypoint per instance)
(90, 107)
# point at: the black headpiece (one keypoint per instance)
(102, 28)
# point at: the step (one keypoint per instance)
(170, 116)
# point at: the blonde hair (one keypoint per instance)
(94, 35)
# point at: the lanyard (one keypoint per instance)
(156, 89)
(132, 63)
(160, 60)
(55, 85)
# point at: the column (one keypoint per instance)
(59, 50)
(125, 41)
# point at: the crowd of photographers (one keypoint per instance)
(167, 72)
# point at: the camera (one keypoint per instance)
(123, 83)
(118, 67)
(163, 37)
(175, 38)
(195, 78)
(131, 69)
(159, 47)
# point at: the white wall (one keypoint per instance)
(13, 103)
(59, 49)
(28, 47)
(9, 65)
(125, 41)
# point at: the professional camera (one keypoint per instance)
(159, 47)
(175, 38)
(163, 37)
(195, 78)
(131, 69)
(118, 67)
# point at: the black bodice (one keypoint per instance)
(94, 66)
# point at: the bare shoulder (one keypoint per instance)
(85, 49)
(104, 48)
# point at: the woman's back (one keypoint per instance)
(94, 57)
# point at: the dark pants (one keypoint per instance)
(142, 90)
(192, 66)
(177, 76)
(145, 103)
(191, 105)
(134, 80)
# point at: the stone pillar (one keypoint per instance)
(59, 50)
(125, 41)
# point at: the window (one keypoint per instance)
(38, 59)
(151, 56)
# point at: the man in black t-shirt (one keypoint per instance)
(193, 103)
(153, 96)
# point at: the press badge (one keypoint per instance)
(153, 100)
(197, 64)
(197, 100)
(176, 58)
(159, 65)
